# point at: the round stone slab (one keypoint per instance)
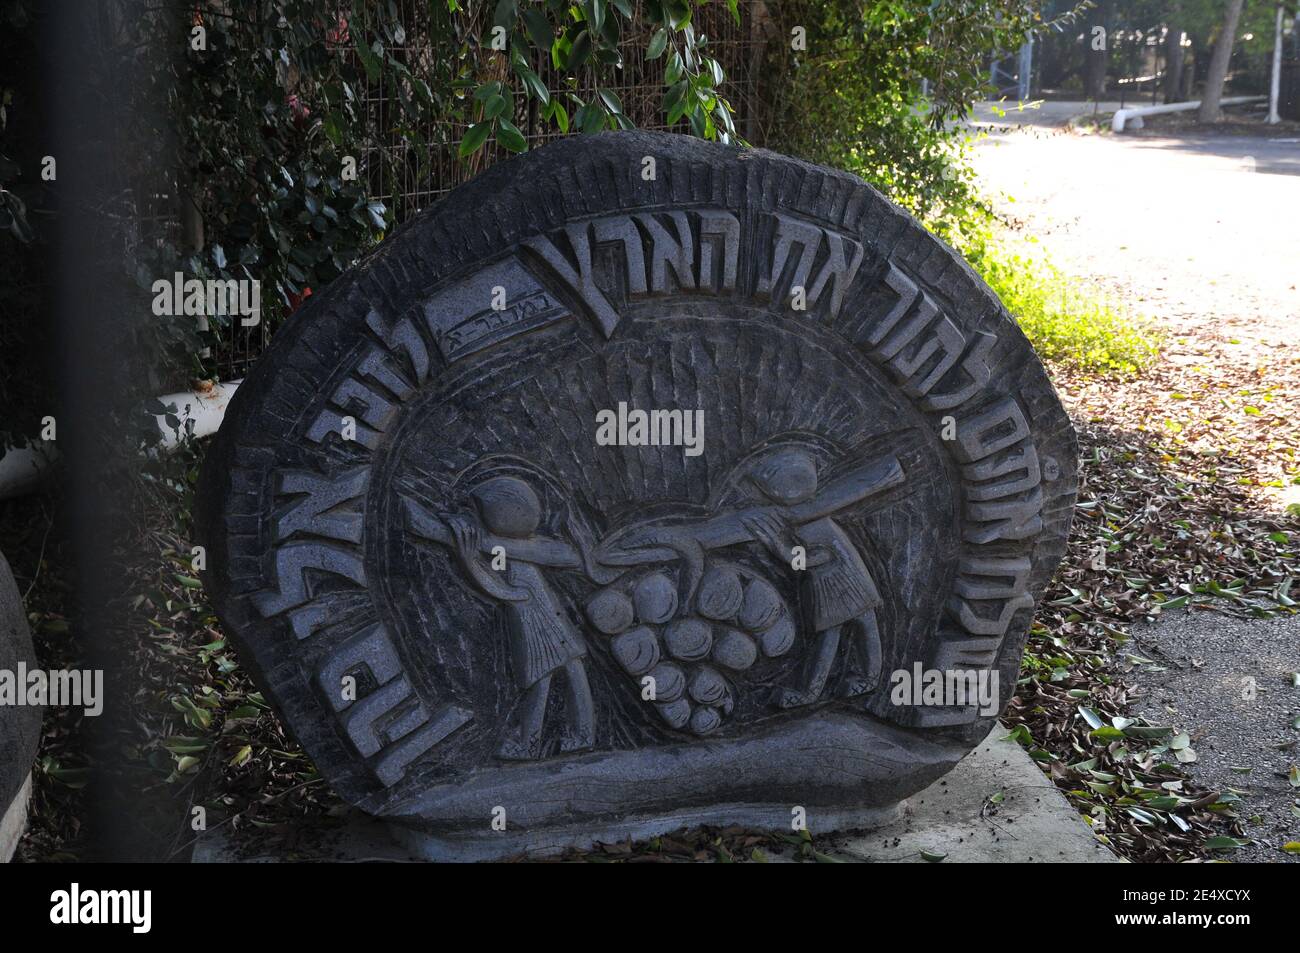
(640, 478)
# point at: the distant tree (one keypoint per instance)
(1218, 71)
(1098, 47)
(1174, 53)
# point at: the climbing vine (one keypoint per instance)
(588, 35)
(300, 133)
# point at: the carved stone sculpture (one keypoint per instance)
(626, 487)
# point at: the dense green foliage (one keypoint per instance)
(890, 79)
(864, 65)
(571, 37)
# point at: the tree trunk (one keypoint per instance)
(1097, 59)
(1189, 73)
(1174, 55)
(1209, 111)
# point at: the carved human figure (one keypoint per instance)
(543, 641)
(837, 591)
(792, 509)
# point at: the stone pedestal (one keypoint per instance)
(955, 819)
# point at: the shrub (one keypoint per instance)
(1066, 322)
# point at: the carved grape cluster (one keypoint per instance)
(686, 646)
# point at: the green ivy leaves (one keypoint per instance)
(509, 136)
(496, 113)
(474, 139)
(581, 40)
(693, 79)
(539, 29)
(658, 43)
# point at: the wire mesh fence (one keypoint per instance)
(409, 166)
(428, 157)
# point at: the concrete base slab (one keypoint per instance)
(960, 817)
(495, 845)
(14, 821)
(997, 806)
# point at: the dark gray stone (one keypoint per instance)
(1032, 823)
(455, 592)
(20, 725)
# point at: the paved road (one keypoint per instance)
(1040, 113)
(1201, 230)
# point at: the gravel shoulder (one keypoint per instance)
(1228, 683)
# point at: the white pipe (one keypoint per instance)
(22, 468)
(1137, 112)
(199, 414)
(1275, 83)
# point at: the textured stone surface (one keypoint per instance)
(462, 599)
(20, 726)
(996, 807)
(13, 820)
(955, 817)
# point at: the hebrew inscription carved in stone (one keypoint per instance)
(835, 459)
